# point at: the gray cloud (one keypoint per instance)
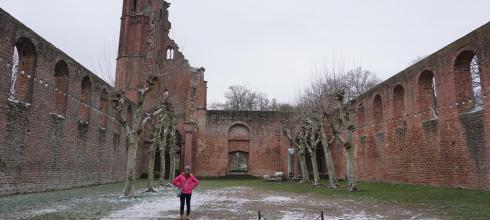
(272, 45)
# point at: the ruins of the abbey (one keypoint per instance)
(57, 127)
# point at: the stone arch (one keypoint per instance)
(427, 93)
(467, 81)
(61, 82)
(239, 130)
(398, 101)
(103, 108)
(85, 99)
(378, 109)
(23, 70)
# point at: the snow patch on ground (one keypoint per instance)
(166, 202)
(278, 199)
(150, 208)
(243, 203)
(44, 211)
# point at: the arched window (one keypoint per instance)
(104, 108)
(467, 81)
(61, 81)
(23, 64)
(427, 93)
(361, 115)
(170, 53)
(398, 102)
(85, 99)
(239, 130)
(132, 7)
(476, 81)
(378, 109)
(129, 116)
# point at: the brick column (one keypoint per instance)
(189, 132)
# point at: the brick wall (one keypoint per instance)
(398, 137)
(43, 143)
(259, 134)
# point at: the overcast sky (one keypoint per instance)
(271, 45)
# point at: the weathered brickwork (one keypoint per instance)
(48, 138)
(399, 138)
(256, 134)
(59, 132)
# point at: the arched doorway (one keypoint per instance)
(238, 148)
(238, 162)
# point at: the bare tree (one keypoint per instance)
(172, 146)
(300, 143)
(322, 98)
(162, 147)
(160, 133)
(343, 121)
(360, 81)
(312, 142)
(134, 133)
(242, 98)
(327, 146)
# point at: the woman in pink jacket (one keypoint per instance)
(186, 182)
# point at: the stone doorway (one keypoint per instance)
(238, 162)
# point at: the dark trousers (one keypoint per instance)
(185, 199)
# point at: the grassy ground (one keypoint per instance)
(457, 203)
(97, 201)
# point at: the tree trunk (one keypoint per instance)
(330, 167)
(129, 187)
(162, 149)
(290, 162)
(316, 175)
(304, 169)
(151, 165)
(172, 166)
(351, 173)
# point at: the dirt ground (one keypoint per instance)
(214, 203)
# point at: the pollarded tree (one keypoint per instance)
(327, 146)
(134, 132)
(321, 97)
(172, 145)
(299, 141)
(344, 122)
(162, 147)
(311, 142)
(160, 133)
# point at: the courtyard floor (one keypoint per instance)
(214, 199)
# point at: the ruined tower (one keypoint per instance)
(145, 48)
(133, 59)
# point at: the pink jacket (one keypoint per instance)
(180, 182)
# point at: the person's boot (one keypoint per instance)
(181, 217)
(188, 217)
